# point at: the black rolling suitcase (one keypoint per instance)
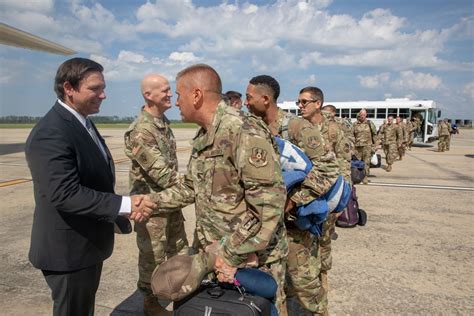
(213, 300)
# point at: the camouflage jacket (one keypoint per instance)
(443, 129)
(403, 130)
(340, 144)
(347, 130)
(151, 146)
(410, 128)
(325, 169)
(365, 133)
(234, 178)
(391, 134)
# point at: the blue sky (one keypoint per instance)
(352, 50)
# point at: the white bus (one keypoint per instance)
(378, 111)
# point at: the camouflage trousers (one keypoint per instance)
(442, 143)
(391, 153)
(278, 270)
(364, 153)
(303, 271)
(410, 140)
(448, 142)
(401, 150)
(163, 236)
(329, 227)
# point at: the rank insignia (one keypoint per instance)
(258, 157)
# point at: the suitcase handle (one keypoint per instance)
(215, 292)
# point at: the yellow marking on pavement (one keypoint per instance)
(120, 160)
(179, 149)
(13, 182)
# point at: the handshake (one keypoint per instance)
(142, 208)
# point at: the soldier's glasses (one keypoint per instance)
(304, 102)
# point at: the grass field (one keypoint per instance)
(173, 125)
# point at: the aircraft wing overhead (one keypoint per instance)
(15, 37)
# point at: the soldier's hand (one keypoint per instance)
(225, 273)
(142, 208)
(289, 205)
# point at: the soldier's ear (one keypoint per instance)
(197, 97)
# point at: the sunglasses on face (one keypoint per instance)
(304, 102)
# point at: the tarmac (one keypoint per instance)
(414, 256)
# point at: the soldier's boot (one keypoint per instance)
(389, 168)
(151, 307)
(366, 180)
(400, 158)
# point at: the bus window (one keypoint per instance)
(392, 112)
(294, 112)
(370, 113)
(345, 113)
(382, 114)
(432, 116)
(338, 112)
(404, 113)
(354, 112)
(285, 110)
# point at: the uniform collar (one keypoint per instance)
(205, 138)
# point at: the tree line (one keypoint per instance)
(13, 119)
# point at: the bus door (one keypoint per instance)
(420, 132)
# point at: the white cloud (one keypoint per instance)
(30, 5)
(468, 91)
(183, 57)
(127, 56)
(311, 79)
(410, 80)
(374, 81)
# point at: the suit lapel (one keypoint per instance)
(82, 132)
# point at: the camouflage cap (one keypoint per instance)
(181, 275)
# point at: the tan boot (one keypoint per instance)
(389, 168)
(365, 181)
(401, 157)
(151, 307)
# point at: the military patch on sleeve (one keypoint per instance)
(258, 158)
(313, 142)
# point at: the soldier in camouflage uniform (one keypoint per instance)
(365, 135)
(234, 178)
(450, 130)
(443, 135)
(403, 130)
(323, 118)
(392, 140)
(151, 146)
(410, 130)
(304, 262)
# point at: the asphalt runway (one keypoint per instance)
(414, 256)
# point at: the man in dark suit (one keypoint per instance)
(73, 179)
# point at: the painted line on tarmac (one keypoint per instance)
(13, 182)
(422, 186)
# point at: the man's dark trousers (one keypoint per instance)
(73, 292)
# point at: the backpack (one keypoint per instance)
(357, 170)
(352, 214)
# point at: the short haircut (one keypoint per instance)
(233, 94)
(330, 108)
(203, 76)
(315, 93)
(269, 82)
(73, 71)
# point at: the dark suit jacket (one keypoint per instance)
(74, 194)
